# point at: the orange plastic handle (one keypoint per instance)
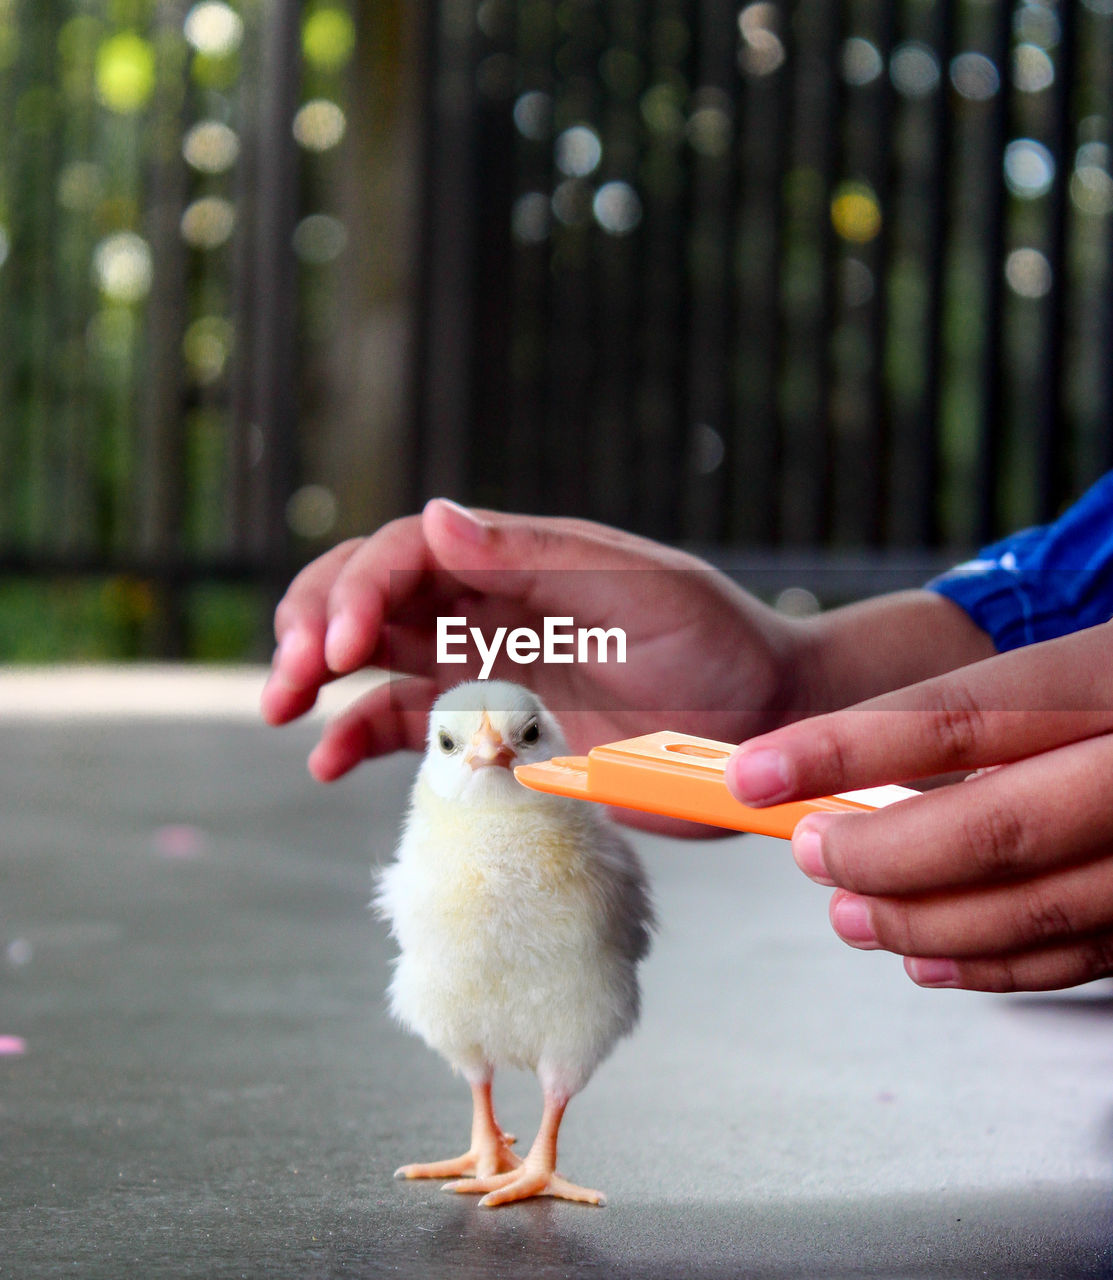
(682, 776)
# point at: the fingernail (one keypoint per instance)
(464, 523)
(807, 849)
(850, 918)
(932, 973)
(759, 777)
(340, 640)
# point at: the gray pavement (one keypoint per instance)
(210, 1085)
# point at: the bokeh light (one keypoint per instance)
(711, 125)
(861, 60)
(209, 222)
(125, 73)
(578, 151)
(914, 70)
(1091, 189)
(857, 282)
(1033, 70)
(312, 511)
(856, 212)
(328, 38)
(617, 208)
(762, 50)
(662, 109)
(206, 346)
(975, 76)
(211, 147)
(533, 115)
(1029, 168)
(1028, 273)
(320, 238)
(81, 186)
(319, 125)
(213, 28)
(123, 268)
(797, 602)
(572, 203)
(531, 218)
(1037, 23)
(707, 449)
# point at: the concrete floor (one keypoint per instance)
(209, 1085)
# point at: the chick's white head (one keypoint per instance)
(478, 733)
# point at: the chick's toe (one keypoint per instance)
(524, 1184)
(483, 1161)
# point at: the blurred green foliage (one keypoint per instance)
(107, 619)
(124, 230)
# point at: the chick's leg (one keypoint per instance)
(537, 1175)
(489, 1152)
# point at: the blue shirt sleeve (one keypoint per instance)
(1043, 582)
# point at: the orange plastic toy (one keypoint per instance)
(681, 776)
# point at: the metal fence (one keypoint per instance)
(809, 274)
(161, 180)
(827, 281)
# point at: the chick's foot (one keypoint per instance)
(523, 1184)
(477, 1162)
(489, 1152)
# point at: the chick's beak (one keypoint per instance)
(488, 747)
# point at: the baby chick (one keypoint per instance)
(520, 919)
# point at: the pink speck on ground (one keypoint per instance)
(12, 1046)
(179, 840)
(886, 1096)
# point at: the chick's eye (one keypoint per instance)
(446, 742)
(531, 733)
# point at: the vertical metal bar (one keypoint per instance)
(575, 332)
(712, 229)
(443, 387)
(870, 487)
(243, 450)
(1053, 442)
(992, 397)
(33, 265)
(162, 447)
(805, 481)
(531, 259)
(662, 407)
(491, 339)
(611, 447)
(755, 450)
(925, 445)
(274, 373)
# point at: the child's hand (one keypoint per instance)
(702, 655)
(1002, 882)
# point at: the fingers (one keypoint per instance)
(392, 717)
(1002, 883)
(330, 620)
(1000, 920)
(1004, 708)
(1020, 821)
(338, 613)
(1047, 969)
(298, 667)
(531, 560)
